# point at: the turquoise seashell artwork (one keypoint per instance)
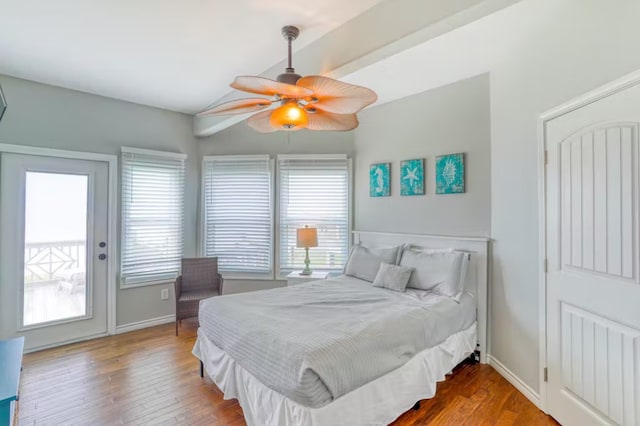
(450, 174)
(380, 180)
(412, 177)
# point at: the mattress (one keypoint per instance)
(317, 341)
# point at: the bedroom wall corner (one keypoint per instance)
(547, 63)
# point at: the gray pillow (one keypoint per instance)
(393, 277)
(434, 269)
(364, 262)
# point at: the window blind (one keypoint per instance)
(152, 215)
(314, 192)
(238, 215)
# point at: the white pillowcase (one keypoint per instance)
(393, 277)
(464, 270)
(436, 270)
(364, 262)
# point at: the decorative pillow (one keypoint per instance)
(433, 269)
(364, 262)
(393, 277)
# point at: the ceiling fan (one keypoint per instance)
(313, 102)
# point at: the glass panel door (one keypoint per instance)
(54, 223)
(55, 242)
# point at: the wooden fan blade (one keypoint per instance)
(238, 106)
(268, 87)
(336, 96)
(327, 121)
(260, 122)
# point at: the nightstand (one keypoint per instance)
(295, 278)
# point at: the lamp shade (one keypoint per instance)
(289, 117)
(307, 237)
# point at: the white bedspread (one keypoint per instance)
(377, 403)
(318, 341)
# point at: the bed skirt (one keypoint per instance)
(379, 402)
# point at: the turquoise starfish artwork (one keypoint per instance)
(412, 177)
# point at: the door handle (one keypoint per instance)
(102, 256)
(102, 244)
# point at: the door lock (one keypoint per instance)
(102, 244)
(102, 256)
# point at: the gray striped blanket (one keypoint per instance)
(317, 341)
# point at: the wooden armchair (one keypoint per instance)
(199, 280)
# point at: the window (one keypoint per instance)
(152, 216)
(314, 191)
(238, 219)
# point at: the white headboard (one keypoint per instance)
(479, 267)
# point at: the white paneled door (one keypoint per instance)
(593, 281)
(53, 267)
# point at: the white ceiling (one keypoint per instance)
(174, 54)
(476, 48)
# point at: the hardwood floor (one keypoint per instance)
(149, 377)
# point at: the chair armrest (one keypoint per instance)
(220, 283)
(178, 287)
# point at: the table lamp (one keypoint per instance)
(306, 237)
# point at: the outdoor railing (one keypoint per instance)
(45, 261)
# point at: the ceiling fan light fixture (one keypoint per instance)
(290, 33)
(312, 102)
(288, 77)
(290, 116)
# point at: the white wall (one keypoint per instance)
(562, 48)
(47, 116)
(539, 53)
(446, 120)
(241, 140)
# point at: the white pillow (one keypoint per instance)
(393, 277)
(464, 270)
(364, 262)
(434, 270)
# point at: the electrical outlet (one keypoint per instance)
(164, 294)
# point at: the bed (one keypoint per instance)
(340, 351)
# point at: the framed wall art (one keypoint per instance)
(450, 174)
(380, 180)
(412, 177)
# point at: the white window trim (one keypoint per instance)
(133, 283)
(235, 157)
(165, 154)
(312, 157)
(161, 281)
(202, 224)
(276, 243)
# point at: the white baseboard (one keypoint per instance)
(65, 342)
(139, 325)
(515, 381)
